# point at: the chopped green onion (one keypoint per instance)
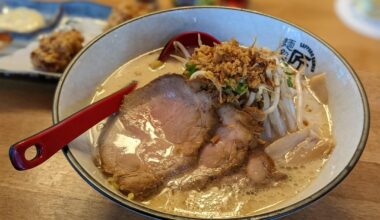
(290, 83)
(228, 90)
(287, 69)
(289, 73)
(191, 68)
(242, 87)
(232, 87)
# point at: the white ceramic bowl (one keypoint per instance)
(347, 99)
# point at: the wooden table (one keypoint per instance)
(55, 191)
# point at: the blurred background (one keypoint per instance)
(27, 84)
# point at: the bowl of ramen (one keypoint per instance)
(260, 121)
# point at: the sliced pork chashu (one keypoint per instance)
(228, 150)
(156, 135)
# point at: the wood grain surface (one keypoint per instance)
(55, 191)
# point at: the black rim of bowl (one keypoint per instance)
(273, 214)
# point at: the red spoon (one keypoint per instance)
(51, 140)
(188, 39)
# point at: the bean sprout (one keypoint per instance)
(182, 48)
(251, 99)
(266, 100)
(299, 99)
(267, 130)
(180, 59)
(259, 93)
(276, 95)
(198, 73)
(277, 122)
(199, 40)
(209, 76)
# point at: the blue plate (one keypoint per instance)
(78, 8)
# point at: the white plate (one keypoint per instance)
(351, 17)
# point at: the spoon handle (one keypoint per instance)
(51, 140)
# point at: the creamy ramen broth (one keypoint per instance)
(226, 200)
(137, 69)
